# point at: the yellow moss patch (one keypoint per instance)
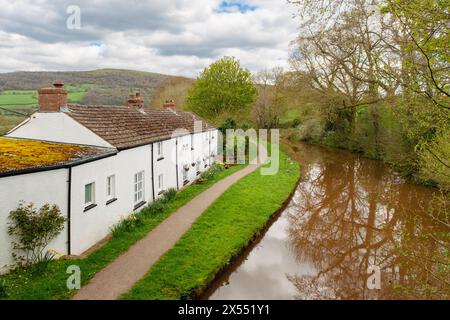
(22, 154)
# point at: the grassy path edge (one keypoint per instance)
(219, 236)
(51, 283)
(251, 243)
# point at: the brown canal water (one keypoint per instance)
(354, 229)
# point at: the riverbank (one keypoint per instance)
(405, 169)
(50, 283)
(219, 235)
(348, 213)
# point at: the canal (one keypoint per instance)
(354, 229)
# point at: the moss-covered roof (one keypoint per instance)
(22, 154)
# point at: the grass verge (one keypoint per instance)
(51, 283)
(218, 235)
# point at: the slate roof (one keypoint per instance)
(125, 127)
(20, 155)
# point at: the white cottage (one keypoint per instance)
(127, 157)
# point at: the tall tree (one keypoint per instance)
(271, 99)
(222, 88)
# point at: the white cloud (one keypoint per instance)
(177, 37)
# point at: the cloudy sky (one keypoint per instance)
(177, 37)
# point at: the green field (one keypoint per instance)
(14, 98)
(18, 99)
(15, 104)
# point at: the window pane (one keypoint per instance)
(88, 193)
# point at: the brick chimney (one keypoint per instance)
(170, 104)
(53, 98)
(135, 101)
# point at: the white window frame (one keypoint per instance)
(111, 187)
(139, 190)
(160, 182)
(89, 203)
(159, 149)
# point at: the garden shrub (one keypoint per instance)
(126, 225)
(169, 194)
(3, 288)
(32, 230)
(212, 171)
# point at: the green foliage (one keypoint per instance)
(389, 99)
(3, 289)
(223, 87)
(137, 220)
(228, 123)
(51, 284)
(212, 172)
(218, 235)
(32, 230)
(169, 194)
(128, 224)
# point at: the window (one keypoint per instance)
(192, 142)
(111, 187)
(89, 194)
(139, 187)
(160, 183)
(159, 149)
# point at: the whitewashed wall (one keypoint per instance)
(93, 225)
(165, 166)
(87, 228)
(184, 158)
(214, 146)
(58, 127)
(39, 188)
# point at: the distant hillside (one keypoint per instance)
(104, 86)
(18, 90)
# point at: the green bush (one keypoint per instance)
(32, 230)
(3, 288)
(157, 206)
(169, 194)
(212, 171)
(137, 219)
(126, 225)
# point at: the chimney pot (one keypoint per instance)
(170, 104)
(135, 101)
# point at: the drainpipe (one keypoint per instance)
(209, 146)
(153, 174)
(69, 205)
(176, 160)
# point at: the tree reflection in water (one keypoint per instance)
(350, 213)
